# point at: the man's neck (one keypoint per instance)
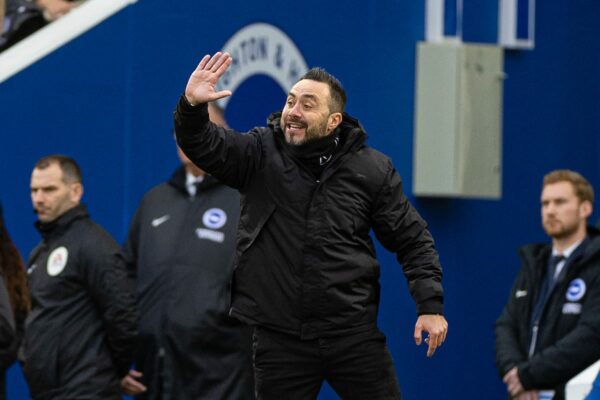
(560, 244)
(195, 171)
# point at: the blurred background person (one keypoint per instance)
(14, 302)
(80, 333)
(548, 330)
(180, 252)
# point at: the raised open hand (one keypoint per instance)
(201, 85)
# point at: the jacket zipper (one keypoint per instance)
(534, 335)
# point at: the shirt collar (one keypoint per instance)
(568, 251)
(191, 181)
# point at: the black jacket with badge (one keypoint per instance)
(306, 263)
(80, 333)
(180, 250)
(568, 339)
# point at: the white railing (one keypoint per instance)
(54, 35)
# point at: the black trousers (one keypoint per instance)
(357, 366)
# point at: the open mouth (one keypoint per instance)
(294, 126)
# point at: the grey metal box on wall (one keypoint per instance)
(458, 118)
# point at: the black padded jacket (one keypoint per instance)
(80, 333)
(568, 332)
(306, 263)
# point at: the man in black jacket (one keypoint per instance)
(80, 333)
(548, 331)
(180, 250)
(306, 275)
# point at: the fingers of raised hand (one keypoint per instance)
(217, 63)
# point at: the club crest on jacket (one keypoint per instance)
(57, 260)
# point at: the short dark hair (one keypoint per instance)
(69, 167)
(338, 95)
(583, 189)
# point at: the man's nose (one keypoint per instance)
(37, 197)
(295, 111)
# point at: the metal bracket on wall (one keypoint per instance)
(516, 24)
(436, 16)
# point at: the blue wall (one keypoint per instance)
(107, 99)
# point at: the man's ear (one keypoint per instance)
(76, 192)
(333, 121)
(585, 209)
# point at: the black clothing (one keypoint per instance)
(564, 339)
(180, 250)
(357, 366)
(306, 264)
(79, 335)
(316, 154)
(7, 335)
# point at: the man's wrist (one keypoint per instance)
(189, 102)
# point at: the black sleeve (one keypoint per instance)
(8, 355)
(7, 319)
(223, 153)
(106, 277)
(571, 354)
(130, 248)
(400, 228)
(509, 352)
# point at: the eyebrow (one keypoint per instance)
(305, 96)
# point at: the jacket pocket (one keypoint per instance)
(252, 220)
(41, 368)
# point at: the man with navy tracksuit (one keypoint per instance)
(548, 331)
(180, 251)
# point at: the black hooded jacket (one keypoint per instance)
(180, 252)
(568, 339)
(80, 333)
(306, 263)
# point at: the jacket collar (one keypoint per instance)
(352, 134)
(62, 223)
(538, 253)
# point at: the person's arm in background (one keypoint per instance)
(2, 13)
(54, 9)
(7, 319)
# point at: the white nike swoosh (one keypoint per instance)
(157, 221)
(521, 293)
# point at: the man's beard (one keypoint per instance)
(558, 230)
(310, 133)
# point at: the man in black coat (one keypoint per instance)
(80, 333)
(180, 251)
(306, 275)
(549, 330)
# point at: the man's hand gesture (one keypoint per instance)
(437, 328)
(201, 85)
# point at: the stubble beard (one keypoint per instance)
(558, 230)
(310, 133)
